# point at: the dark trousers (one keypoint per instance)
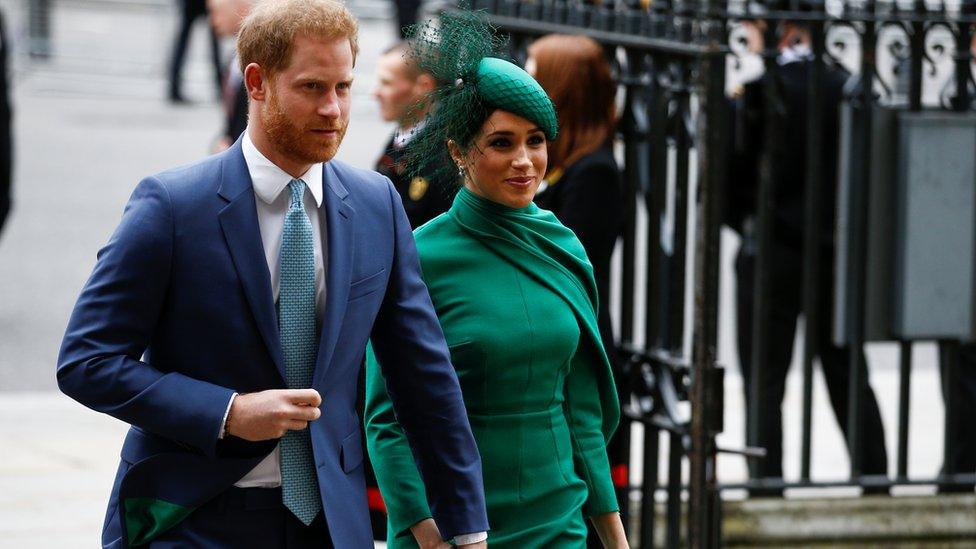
(245, 518)
(784, 298)
(6, 148)
(961, 389)
(190, 11)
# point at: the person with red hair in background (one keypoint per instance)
(583, 185)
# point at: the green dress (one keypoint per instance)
(515, 296)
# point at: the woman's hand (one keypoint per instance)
(611, 530)
(428, 536)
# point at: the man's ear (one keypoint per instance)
(425, 84)
(256, 81)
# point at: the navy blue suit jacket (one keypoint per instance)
(179, 314)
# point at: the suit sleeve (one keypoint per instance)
(100, 364)
(592, 411)
(409, 346)
(393, 463)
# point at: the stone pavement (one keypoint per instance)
(90, 123)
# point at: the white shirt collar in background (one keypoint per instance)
(795, 53)
(269, 180)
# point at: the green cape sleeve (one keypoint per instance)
(396, 471)
(589, 406)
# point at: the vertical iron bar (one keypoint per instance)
(628, 244)
(916, 58)
(631, 174)
(949, 356)
(677, 264)
(904, 401)
(676, 275)
(675, 454)
(964, 33)
(649, 487)
(812, 242)
(857, 271)
(763, 235)
(704, 502)
(658, 169)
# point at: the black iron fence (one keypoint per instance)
(872, 239)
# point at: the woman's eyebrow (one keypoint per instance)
(510, 132)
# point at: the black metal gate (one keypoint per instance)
(670, 62)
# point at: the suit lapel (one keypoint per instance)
(239, 222)
(339, 217)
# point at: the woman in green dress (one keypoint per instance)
(516, 299)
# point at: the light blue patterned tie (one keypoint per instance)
(296, 326)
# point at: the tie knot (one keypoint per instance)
(297, 188)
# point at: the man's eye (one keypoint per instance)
(344, 85)
(311, 85)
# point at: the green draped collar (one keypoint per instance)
(534, 241)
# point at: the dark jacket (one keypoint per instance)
(424, 196)
(789, 151)
(235, 121)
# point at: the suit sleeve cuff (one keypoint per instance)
(466, 539)
(223, 423)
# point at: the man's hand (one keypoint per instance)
(270, 414)
(428, 536)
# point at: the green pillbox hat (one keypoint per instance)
(507, 86)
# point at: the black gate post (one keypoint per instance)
(706, 388)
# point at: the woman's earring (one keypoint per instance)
(460, 171)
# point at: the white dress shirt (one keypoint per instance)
(270, 185)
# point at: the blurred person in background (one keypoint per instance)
(961, 388)
(226, 17)
(190, 11)
(583, 185)
(402, 91)
(788, 148)
(6, 139)
(406, 15)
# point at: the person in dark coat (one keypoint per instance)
(784, 292)
(401, 91)
(406, 15)
(226, 17)
(961, 388)
(190, 11)
(6, 148)
(583, 184)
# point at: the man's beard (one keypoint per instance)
(292, 141)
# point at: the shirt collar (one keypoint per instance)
(403, 136)
(269, 180)
(795, 54)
